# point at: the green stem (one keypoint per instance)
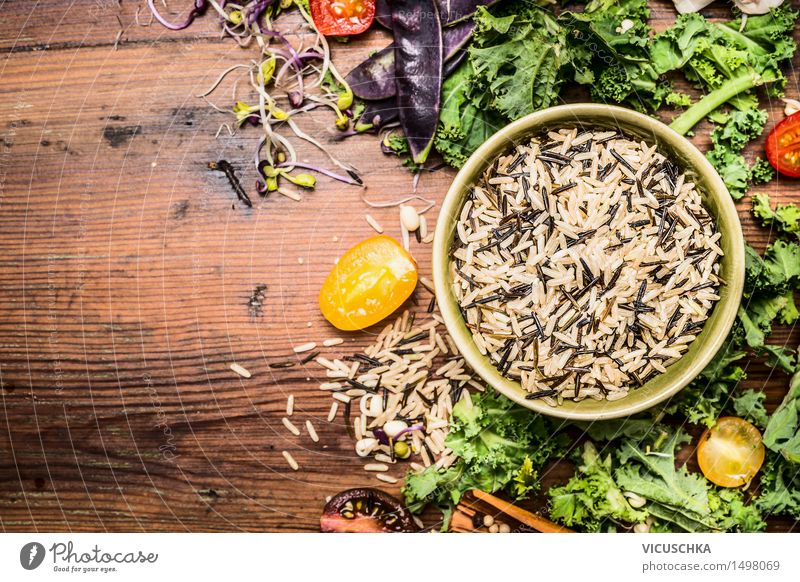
(743, 40)
(710, 102)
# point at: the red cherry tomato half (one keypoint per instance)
(342, 17)
(783, 146)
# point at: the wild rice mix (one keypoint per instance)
(397, 396)
(585, 264)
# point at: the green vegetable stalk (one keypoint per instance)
(715, 99)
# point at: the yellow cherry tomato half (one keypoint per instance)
(368, 283)
(730, 453)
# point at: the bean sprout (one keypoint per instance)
(299, 75)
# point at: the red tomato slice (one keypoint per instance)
(783, 146)
(342, 17)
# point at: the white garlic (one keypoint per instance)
(792, 106)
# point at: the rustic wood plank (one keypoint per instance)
(127, 276)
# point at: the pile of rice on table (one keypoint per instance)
(585, 264)
(398, 395)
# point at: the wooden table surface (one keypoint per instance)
(130, 278)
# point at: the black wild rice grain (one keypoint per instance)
(226, 168)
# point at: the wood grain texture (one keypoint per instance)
(126, 276)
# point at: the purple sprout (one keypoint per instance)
(384, 439)
(256, 10)
(200, 7)
(295, 98)
(261, 188)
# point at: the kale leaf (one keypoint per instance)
(463, 125)
(592, 499)
(686, 500)
(517, 59)
(749, 405)
(727, 60)
(728, 141)
(784, 217)
(498, 443)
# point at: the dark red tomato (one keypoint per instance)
(342, 17)
(365, 510)
(783, 146)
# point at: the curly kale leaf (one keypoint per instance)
(728, 141)
(749, 405)
(650, 472)
(499, 445)
(608, 43)
(780, 486)
(780, 475)
(517, 59)
(784, 217)
(686, 500)
(783, 430)
(463, 125)
(592, 499)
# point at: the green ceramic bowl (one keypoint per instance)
(715, 197)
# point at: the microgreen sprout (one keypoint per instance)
(287, 80)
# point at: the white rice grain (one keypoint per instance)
(241, 370)
(312, 432)
(290, 459)
(290, 426)
(306, 347)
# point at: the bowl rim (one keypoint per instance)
(494, 146)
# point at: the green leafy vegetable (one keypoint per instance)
(463, 125)
(516, 86)
(733, 169)
(651, 473)
(613, 58)
(608, 430)
(592, 499)
(497, 442)
(728, 60)
(784, 217)
(597, 497)
(609, 47)
(783, 430)
(728, 142)
(761, 172)
(686, 500)
(780, 476)
(781, 357)
(740, 128)
(749, 405)
(780, 486)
